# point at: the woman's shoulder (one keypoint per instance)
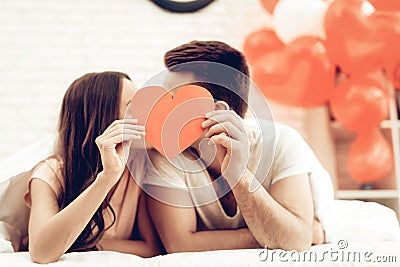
(53, 163)
(49, 169)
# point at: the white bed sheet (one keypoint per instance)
(370, 254)
(363, 225)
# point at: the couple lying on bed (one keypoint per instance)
(85, 198)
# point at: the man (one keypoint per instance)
(232, 213)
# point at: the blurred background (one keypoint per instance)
(45, 45)
(328, 68)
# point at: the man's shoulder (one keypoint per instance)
(271, 130)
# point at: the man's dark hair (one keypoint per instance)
(234, 88)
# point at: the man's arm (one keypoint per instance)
(281, 218)
(176, 227)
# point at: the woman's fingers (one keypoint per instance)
(114, 143)
(127, 126)
(127, 130)
(117, 139)
(123, 138)
(123, 126)
(116, 122)
(120, 123)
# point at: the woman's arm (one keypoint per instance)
(149, 245)
(52, 232)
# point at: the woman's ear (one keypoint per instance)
(221, 105)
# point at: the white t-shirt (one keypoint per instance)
(276, 152)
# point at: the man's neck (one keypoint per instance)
(207, 153)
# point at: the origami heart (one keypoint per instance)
(299, 74)
(172, 122)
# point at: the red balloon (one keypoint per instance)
(360, 39)
(260, 43)
(299, 74)
(269, 5)
(360, 103)
(387, 5)
(370, 157)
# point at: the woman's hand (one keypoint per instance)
(114, 145)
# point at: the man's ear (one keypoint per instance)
(221, 105)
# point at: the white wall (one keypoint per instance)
(46, 44)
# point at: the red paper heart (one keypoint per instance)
(299, 74)
(172, 123)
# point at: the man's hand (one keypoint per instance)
(276, 218)
(227, 132)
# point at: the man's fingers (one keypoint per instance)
(218, 112)
(222, 116)
(225, 127)
(223, 140)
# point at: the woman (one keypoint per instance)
(84, 198)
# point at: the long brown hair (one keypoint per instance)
(89, 106)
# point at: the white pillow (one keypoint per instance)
(358, 220)
(15, 172)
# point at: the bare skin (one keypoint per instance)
(288, 219)
(46, 242)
